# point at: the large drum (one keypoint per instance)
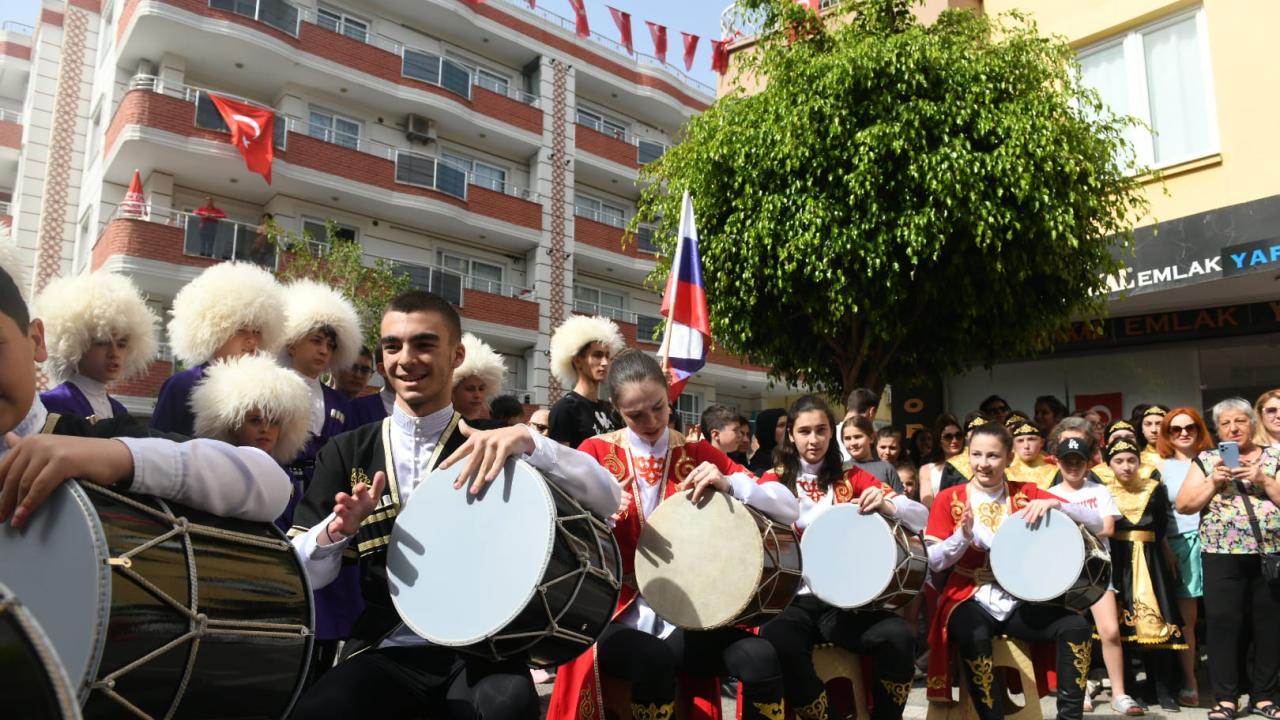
(853, 560)
(33, 683)
(1056, 561)
(716, 562)
(519, 571)
(157, 610)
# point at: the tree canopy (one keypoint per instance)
(899, 200)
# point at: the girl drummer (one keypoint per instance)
(652, 462)
(974, 608)
(810, 464)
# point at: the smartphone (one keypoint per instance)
(1230, 452)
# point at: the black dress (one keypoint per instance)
(1148, 605)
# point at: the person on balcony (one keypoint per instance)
(580, 352)
(230, 309)
(98, 330)
(210, 217)
(262, 251)
(477, 379)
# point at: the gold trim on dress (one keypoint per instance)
(653, 711)
(898, 691)
(816, 710)
(772, 711)
(983, 671)
(1081, 654)
(936, 682)
(991, 514)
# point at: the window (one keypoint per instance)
(1160, 75)
(647, 151)
(334, 128)
(598, 210)
(481, 275)
(94, 140)
(647, 329)
(316, 229)
(600, 123)
(424, 171)
(278, 14)
(433, 69)
(493, 81)
(595, 301)
(482, 173)
(208, 118)
(343, 24)
(514, 379)
(644, 240)
(689, 405)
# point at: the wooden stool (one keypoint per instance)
(834, 663)
(1009, 654)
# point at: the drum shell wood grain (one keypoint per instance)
(716, 563)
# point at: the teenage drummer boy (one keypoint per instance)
(40, 450)
(389, 671)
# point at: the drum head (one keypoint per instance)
(699, 566)
(849, 558)
(57, 565)
(1041, 563)
(32, 679)
(461, 567)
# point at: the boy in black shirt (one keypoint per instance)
(580, 352)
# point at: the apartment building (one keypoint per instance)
(483, 147)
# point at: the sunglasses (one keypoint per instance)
(951, 436)
(1183, 429)
(1270, 410)
(361, 369)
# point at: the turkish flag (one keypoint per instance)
(720, 56)
(623, 21)
(252, 132)
(659, 34)
(580, 10)
(690, 49)
(1108, 405)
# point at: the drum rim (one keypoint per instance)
(49, 659)
(550, 506)
(757, 565)
(889, 581)
(1051, 596)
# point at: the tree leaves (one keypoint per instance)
(900, 200)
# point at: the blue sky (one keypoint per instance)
(700, 17)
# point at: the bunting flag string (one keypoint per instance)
(580, 10)
(659, 35)
(690, 49)
(623, 21)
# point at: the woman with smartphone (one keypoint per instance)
(1228, 485)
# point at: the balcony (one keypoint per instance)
(477, 298)
(382, 180)
(268, 36)
(10, 129)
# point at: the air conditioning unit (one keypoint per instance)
(419, 128)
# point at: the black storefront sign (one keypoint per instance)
(915, 407)
(1251, 257)
(1173, 326)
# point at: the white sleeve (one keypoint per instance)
(1086, 516)
(320, 562)
(946, 553)
(808, 517)
(577, 473)
(1107, 505)
(771, 498)
(911, 513)
(210, 475)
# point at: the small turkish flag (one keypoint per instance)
(580, 12)
(720, 56)
(252, 132)
(659, 33)
(623, 21)
(690, 49)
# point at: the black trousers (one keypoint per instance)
(651, 665)
(972, 629)
(1239, 604)
(408, 682)
(880, 634)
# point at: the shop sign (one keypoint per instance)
(1251, 257)
(1172, 326)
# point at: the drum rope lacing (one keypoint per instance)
(200, 624)
(47, 657)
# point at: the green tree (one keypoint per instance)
(340, 264)
(899, 200)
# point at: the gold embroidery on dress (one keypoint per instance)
(1081, 654)
(991, 514)
(816, 710)
(957, 510)
(684, 464)
(613, 463)
(899, 691)
(653, 711)
(937, 682)
(650, 469)
(983, 670)
(358, 475)
(772, 711)
(586, 706)
(810, 488)
(1019, 499)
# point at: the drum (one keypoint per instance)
(158, 610)
(716, 562)
(1057, 561)
(853, 560)
(519, 571)
(33, 682)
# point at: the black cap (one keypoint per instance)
(1072, 446)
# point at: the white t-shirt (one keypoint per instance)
(1092, 495)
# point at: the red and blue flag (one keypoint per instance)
(684, 305)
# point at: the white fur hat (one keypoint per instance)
(576, 333)
(233, 386)
(309, 305)
(221, 300)
(481, 361)
(83, 309)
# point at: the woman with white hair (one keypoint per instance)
(581, 349)
(230, 309)
(98, 330)
(477, 379)
(1238, 500)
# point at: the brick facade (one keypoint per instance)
(22, 52)
(139, 238)
(146, 385)
(10, 135)
(604, 236)
(607, 146)
(499, 309)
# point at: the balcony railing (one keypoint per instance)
(5, 208)
(10, 116)
(281, 15)
(646, 150)
(449, 284)
(590, 308)
(615, 46)
(600, 216)
(412, 168)
(213, 238)
(14, 26)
